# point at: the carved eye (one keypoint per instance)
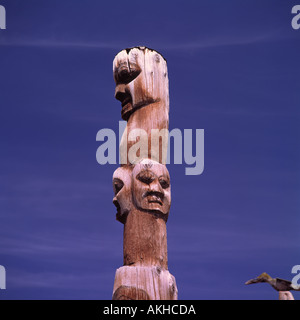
(164, 183)
(145, 177)
(126, 75)
(118, 185)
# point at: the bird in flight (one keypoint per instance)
(281, 285)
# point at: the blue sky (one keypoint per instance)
(233, 71)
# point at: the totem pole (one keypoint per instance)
(142, 184)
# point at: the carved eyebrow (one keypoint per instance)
(118, 184)
(146, 176)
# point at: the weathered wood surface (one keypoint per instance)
(142, 184)
(145, 240)
(142, 86)
(141, 78)
(144, 283)
(143, 200)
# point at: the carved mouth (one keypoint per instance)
(127, 99)
(154, 199)
(126, 106)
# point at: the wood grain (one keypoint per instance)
(142, 190)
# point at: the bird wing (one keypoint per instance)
(283, 285)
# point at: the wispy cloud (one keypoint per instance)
(56, 43)
(56, 243)
(204, 43)
(59, 280)
(222, 41)
(51, 198)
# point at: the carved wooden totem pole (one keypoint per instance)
(142, 183)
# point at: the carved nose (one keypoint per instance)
(120, 92)
(116, 203)
(156, 188)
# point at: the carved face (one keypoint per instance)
(151, 187)
(141, 78)
(122, 190)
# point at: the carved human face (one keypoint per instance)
(122, 190)
(141, 78)
(151, 187)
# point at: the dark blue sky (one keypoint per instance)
(233, 71)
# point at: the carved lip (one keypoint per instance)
(127, 99)
(126, 106)
(154, 199)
